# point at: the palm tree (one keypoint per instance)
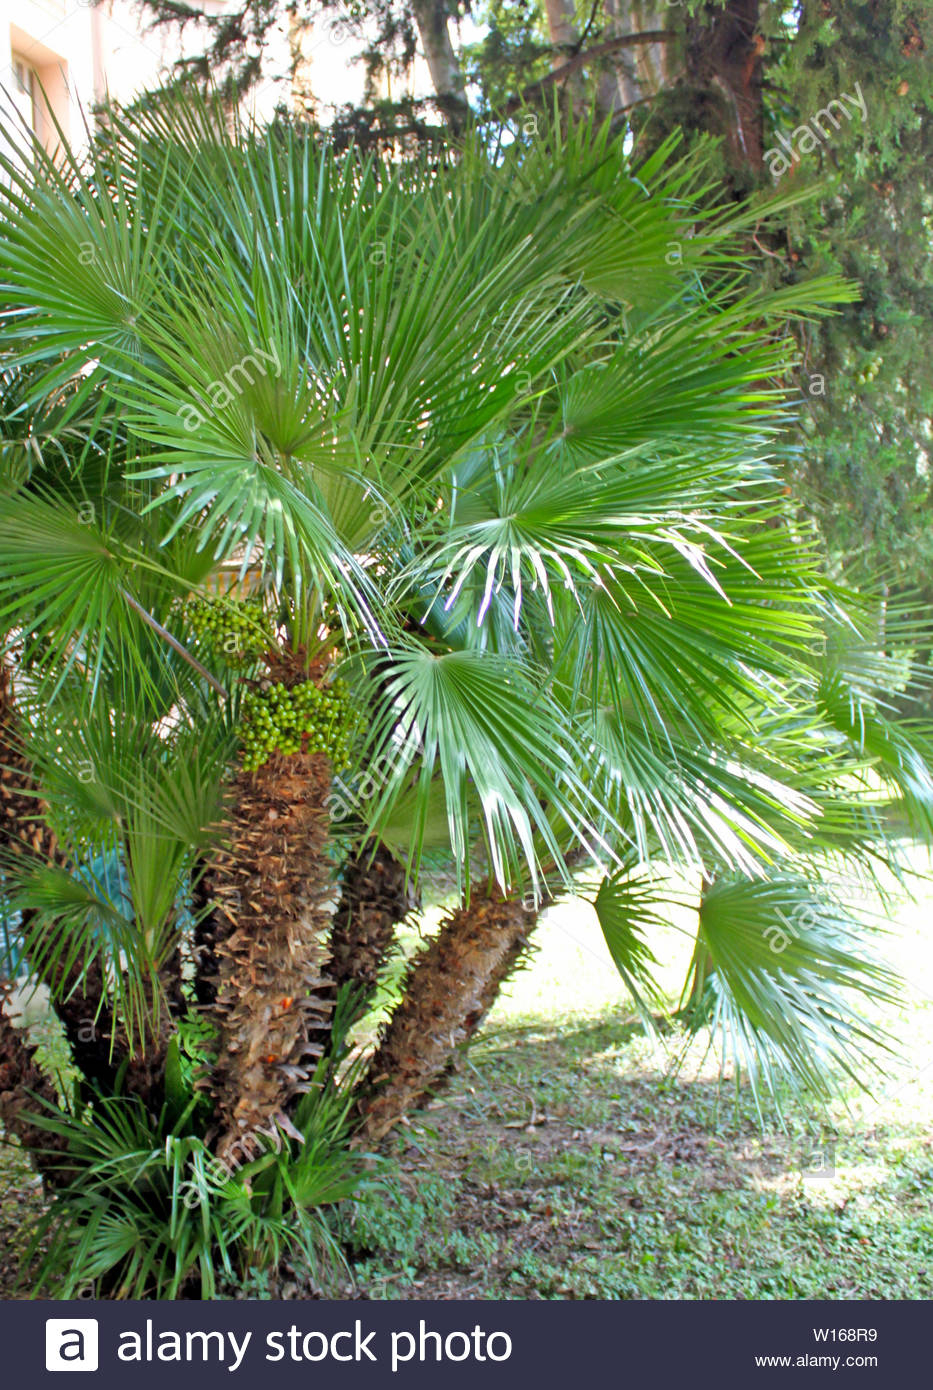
(497, 467)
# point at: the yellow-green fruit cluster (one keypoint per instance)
(239, 628)
(870, 371)
(304, 719)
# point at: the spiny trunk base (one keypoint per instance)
(374, 899)
(449, 989)
(274, 999)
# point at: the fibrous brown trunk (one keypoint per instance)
(450, 987)
(78, 992)
(724, 52)
(375, 897)
(23, 1088)
(274, 998)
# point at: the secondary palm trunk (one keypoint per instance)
(450, 987)
(269, 939)
(23, 1088)
(78, 992)
(375, 897)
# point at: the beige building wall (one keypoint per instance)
(46, 46)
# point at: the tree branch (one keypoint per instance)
(578, 46)
(579, 60)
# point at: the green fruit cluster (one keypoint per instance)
(870, 371)
(304, 719)
(240, 629)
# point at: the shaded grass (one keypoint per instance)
(557, 1171)
(568, 1159)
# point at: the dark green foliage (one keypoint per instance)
(148, 1211)
(865, 464)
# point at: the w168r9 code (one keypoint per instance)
(845, 1334)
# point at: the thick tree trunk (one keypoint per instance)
(274, 999)
(431, 17)
(562, 29)
(724, 51)
(374, 899)
(450, 987)
(712, 73)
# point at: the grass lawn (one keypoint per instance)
(570, 1159)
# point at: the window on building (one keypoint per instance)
(26, 93)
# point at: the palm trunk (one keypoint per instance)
(375, 897)
(78, 993)
(272, 885)
(23, 1088)
(450, 987)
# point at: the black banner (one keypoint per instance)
(541, 1345)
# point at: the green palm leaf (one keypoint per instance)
(479, 722)
(626, 906)
(783, 975)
